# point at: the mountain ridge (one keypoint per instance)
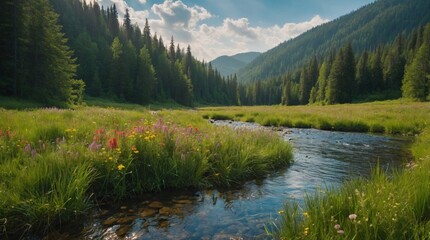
(230, 65)
(368, 27)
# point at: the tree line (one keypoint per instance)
(399, 69)
(56, 51)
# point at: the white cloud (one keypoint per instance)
(184, 23)
(142, 1)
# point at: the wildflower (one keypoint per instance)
(134, 149)
(27, 148)
(337, 227)
(306, 214)
(113, 143)
(281, 211)
(94, 146)
(352, 216)
(305, 231)
(120, 167)
(341, 232)
(33, 153)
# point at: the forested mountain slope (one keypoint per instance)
(367, 28)
(229, 65)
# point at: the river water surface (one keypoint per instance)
(321, 158)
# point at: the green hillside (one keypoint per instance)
(367, 28)
(229, 65)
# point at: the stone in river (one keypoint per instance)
(165, 211)
(156, 204)
(110, 221)
(126, 220)
(148, 213)
(163, 224)
(122, 231)
(183, 201)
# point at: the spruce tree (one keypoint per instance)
(48, 63)
(147, 41)
(416, 82)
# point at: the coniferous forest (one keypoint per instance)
(398, 69)
(57, 52)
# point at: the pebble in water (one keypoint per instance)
(148, 213)
(156, 204)
(165, 211)
(126, 220)
(110, 221)
(122, 231)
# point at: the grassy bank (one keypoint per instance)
(55, 163)
(390, 117)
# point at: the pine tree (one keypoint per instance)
(48, 63)
(147, 41)
(336, 75)
(305, 86)
(321, 85)
(394, 66)
(416, 83)
(376, 70)
(363, 74)
(145, 79)
(9, 28)
(129, 32)
(172, 54)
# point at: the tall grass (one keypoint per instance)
(54, 163)
(390, 117)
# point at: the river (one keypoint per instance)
(321, 158)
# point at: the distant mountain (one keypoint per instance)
(228, 65)
(371, 26)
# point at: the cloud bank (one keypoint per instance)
(185, 24)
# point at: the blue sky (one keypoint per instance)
(227, 27)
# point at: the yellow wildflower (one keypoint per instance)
(281, 211)
(120, 167)
(306, 214)
(305, 231)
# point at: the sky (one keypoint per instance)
(226, 27)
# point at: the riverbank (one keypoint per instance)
(55, 164)
(388, 117)
(381, 207)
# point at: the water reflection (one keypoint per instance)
(322, 158)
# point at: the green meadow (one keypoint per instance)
(56, 164)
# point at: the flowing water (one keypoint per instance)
(321, 158)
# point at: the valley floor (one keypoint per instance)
(54, 163)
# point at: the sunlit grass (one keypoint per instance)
(391, 117)
(54, 164)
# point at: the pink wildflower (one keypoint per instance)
(352, 216)
(27, 148)
(94, 146)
